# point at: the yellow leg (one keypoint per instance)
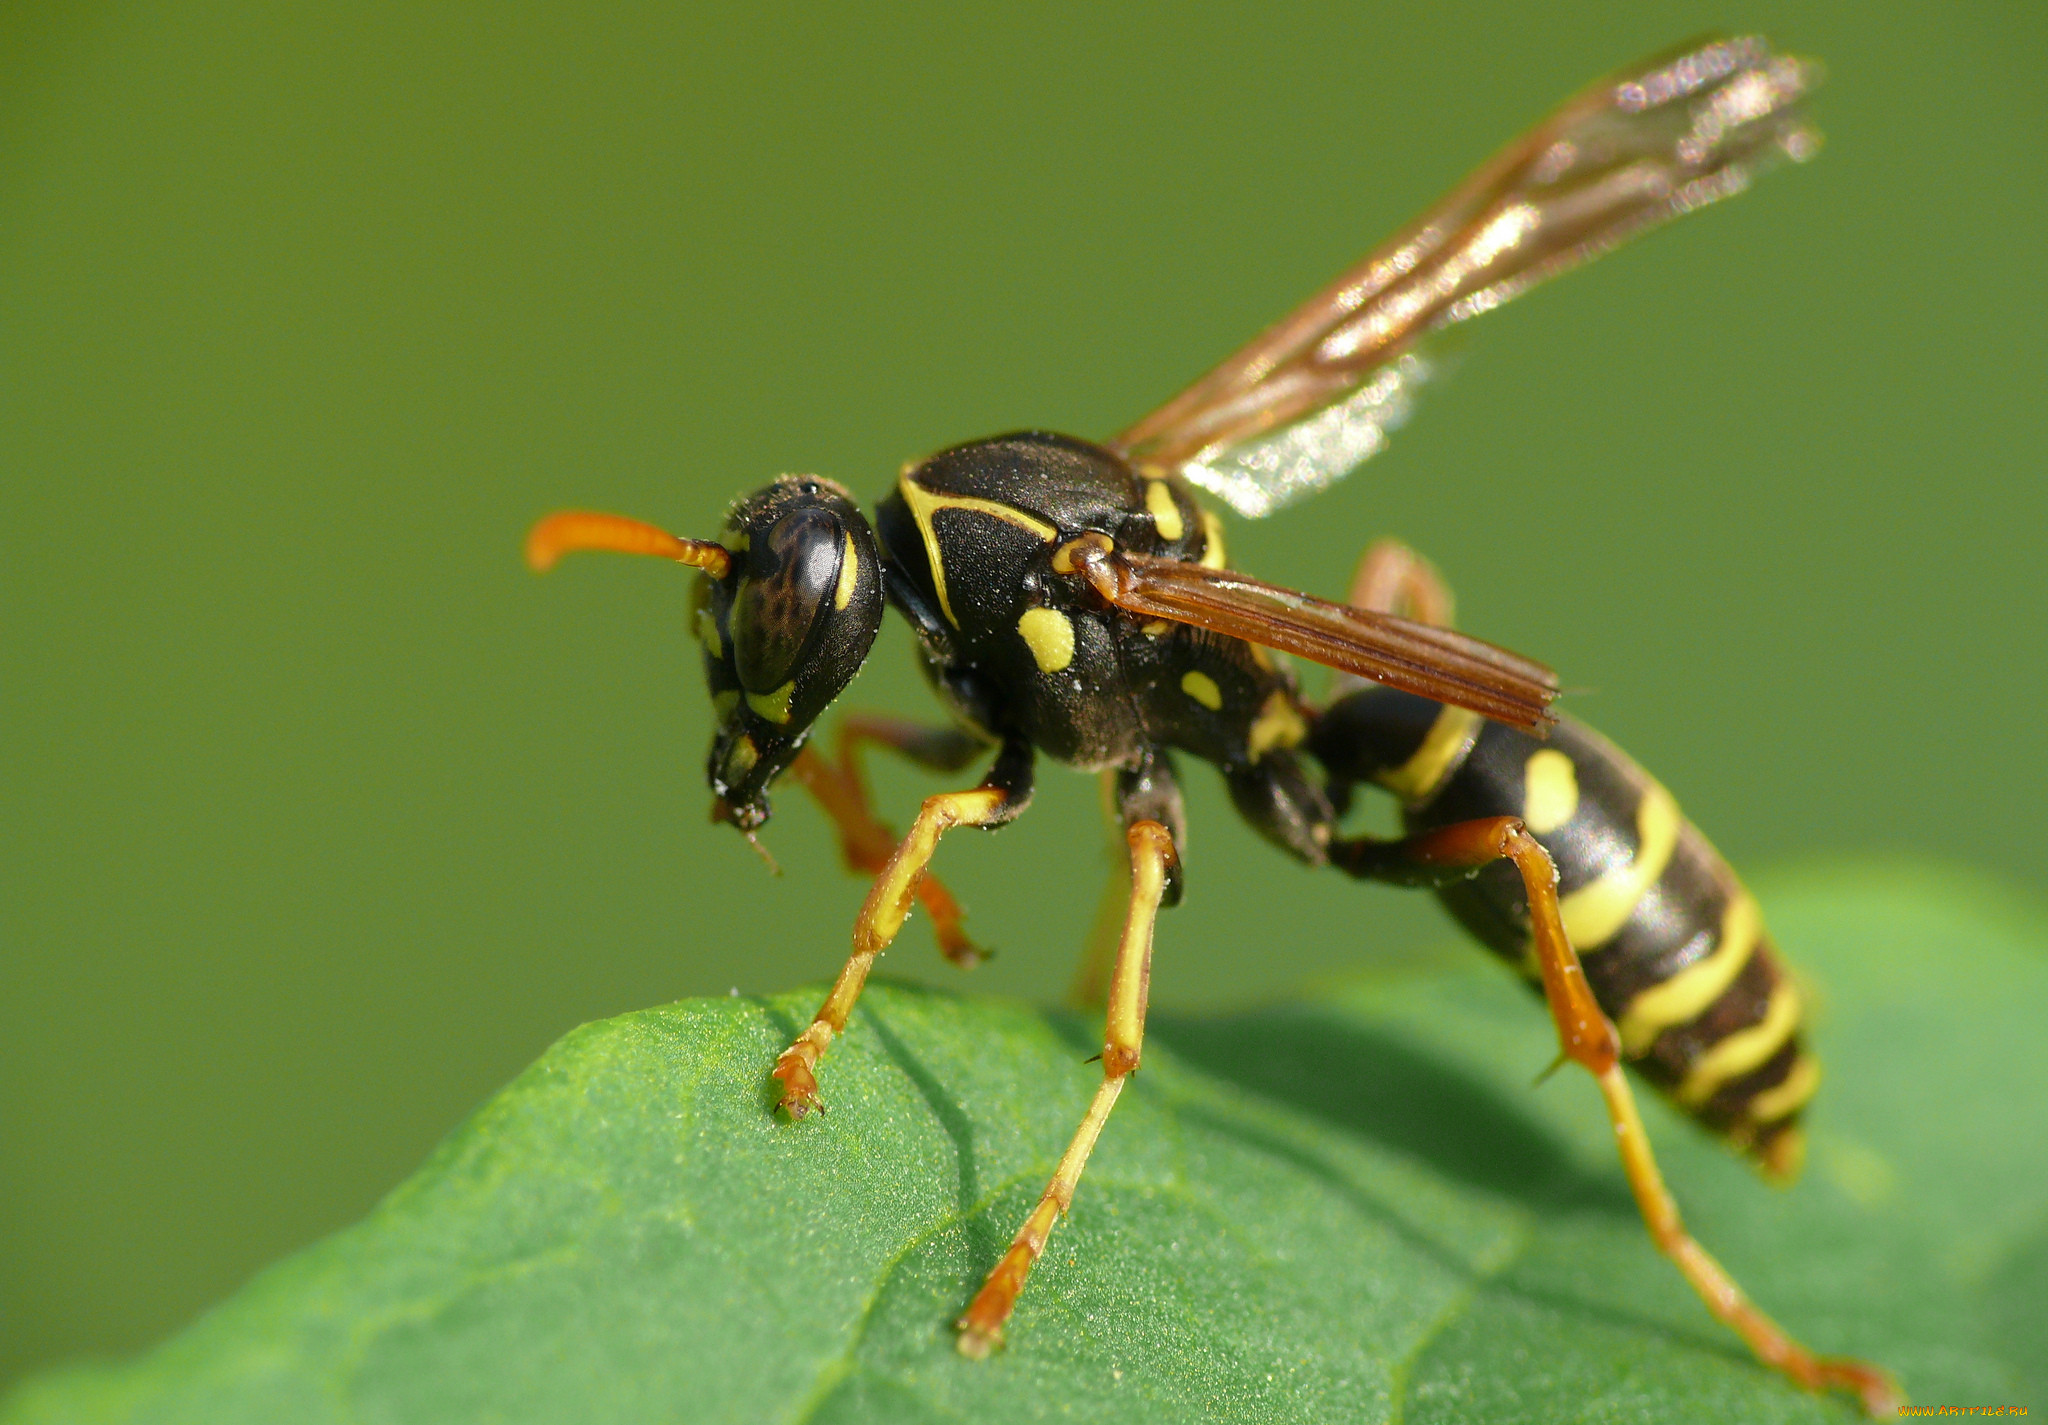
(882, 915)
(1090, 987)
(1152, 858)
(865, 843)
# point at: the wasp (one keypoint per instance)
(1072, 599)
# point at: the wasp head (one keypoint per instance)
(784, 630)
(787, 606)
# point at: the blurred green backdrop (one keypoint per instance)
(322, 816)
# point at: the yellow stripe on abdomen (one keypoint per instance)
(1594, 914)
(1687, 994)
(1742, 1051)
(1447, 740)
(1789, 1096)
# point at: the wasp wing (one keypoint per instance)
(1316, 393)
(1437, 663)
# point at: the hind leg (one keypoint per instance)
(1586, 1038)
(1394, 579)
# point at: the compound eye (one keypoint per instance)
(791, 572)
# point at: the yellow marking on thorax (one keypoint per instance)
(1791, 1093)
(849, 575)
(1449, 738)
(1687, 994)
(1157, 628)
(1279, 724)
(1212, 541)
(1744, 1050)
(707, 632)
(1063, 557)
(1550, 791)
(1594, 914)
(924, 505)
(741, 759)
(1202, 688)
(1165, 513)
(1050, 636)
(773, 706)
(723, 703)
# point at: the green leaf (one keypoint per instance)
(1353, 1209)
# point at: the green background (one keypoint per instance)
(322, 816)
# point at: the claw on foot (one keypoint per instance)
(975, 1342)
(1879, 1393)
(799, 1086)
(961, 951)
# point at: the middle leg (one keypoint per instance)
(1149, 791)
(1089, 988)
(1153, 867)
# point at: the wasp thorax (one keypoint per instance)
(784, 631)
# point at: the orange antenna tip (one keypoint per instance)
(568, 530)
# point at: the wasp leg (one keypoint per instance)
(1153, 867)
(1001, 797)
(1394, 579)
(865, 842)
(1585, 1037)
(1090, 986)
(1149, 791)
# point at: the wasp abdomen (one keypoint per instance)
(1673, 945)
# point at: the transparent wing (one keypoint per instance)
(1436, 663)
(1317, 393)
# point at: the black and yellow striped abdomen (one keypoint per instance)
(1672, 944)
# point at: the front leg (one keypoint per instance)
(1001, 797)
(865, 842)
